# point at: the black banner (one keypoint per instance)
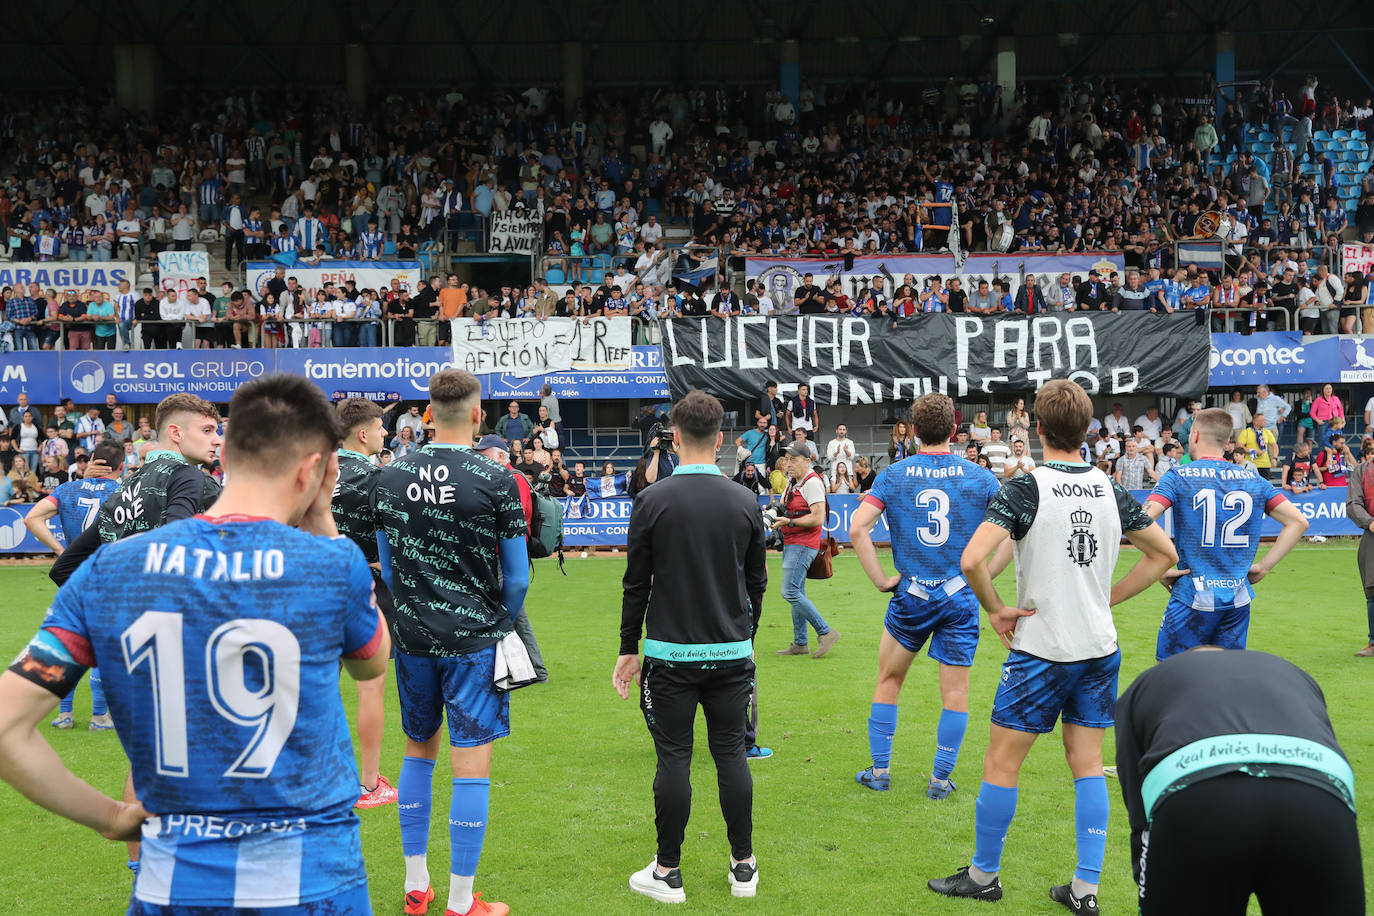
(849, 360)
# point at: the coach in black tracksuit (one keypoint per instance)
(694, 582)
(1235, 785)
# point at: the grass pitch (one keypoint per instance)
(572, 806)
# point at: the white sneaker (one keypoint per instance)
(744, 878)
(663, 888)
(1317, 539)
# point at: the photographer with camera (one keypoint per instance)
(661, 456)
(802, 520)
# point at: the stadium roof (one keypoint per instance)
(427, 42)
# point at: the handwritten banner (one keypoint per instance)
(178, 270)
(516, 232)
(523, 347)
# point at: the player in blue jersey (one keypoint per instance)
(221, 639)
(1218, 509)
(76, 504)
(451, 543)
(933, 501)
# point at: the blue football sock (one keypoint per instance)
(98, 707)
(992, 814)
(882, 725)
(412, 798)
(1090, 812)
(68, 702)
(949, 737)
(467, 823)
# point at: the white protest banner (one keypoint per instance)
(1357, 257)
(516, 232)
(103, 276)
(523, 347)
(374, 275)
(178, 269)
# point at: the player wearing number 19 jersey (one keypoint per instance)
(221, 639)
(933, 502)
(1218, 509)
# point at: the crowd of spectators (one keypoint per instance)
(1084, 165)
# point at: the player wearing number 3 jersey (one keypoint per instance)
(933, 502)
(1218, 509)
(220, 637)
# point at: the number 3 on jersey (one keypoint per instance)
(252, 674)
(936, 504)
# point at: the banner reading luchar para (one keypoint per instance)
(871, 361)
(523, 347)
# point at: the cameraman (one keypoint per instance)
(661, 458)
(695, 576)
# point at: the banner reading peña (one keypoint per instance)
(850, 360)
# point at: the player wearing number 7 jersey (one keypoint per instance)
(1218, 509)
(221, 638)
(933, 501)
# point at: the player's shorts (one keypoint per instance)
(1184, 627)
(477, 713)
(949, 622)
(1034, 693)
(352, 902)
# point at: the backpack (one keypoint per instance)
(546, 528)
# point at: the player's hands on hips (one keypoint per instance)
(1257, 572)
(626, 673)
(888, 584)
(1172, 576)
(1004, 622)
(126, 823)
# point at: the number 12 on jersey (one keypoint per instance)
(1235, 501)
(252, 675)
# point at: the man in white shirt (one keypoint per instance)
(651, 232)
(1150, 422)
(171, 308)
(412, 419)
(1330, 291)
(1116, 423)
(660, 132)
(128, 235)
(197, 312)
(90, 428)
(799, 435)
(1020, 461)
(1274, 408)
(997, 452)
(1107, 447)
(841, 448)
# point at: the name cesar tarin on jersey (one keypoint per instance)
(202, 563)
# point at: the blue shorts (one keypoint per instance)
(1033, 693)
(352, 902)
(1184, 627)
(949, 622)
(478, 714)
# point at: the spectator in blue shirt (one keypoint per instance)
(102, 312)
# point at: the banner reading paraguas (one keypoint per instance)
(104, 276)
(850, 360)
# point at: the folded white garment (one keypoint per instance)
(513, 666)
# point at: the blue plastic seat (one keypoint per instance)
(1321, 135)
(554, 275)
(1340, 135)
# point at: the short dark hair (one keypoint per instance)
(110, 452)
(449, 390)
(1063, 410)
(276, 415)
(175, 404)
(933, 417)
(697, 417)
(355, 412)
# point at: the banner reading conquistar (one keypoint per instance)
(868, 361)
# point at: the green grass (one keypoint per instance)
(572, 806)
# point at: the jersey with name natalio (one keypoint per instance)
(1218, 510)
(1067, 521)
(352, 503)
(219, 643)
(78, 503)
(933, 502)
(441, 514)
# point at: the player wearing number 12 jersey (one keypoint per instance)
(221, 638)
(1218, 509)
(933, 501)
